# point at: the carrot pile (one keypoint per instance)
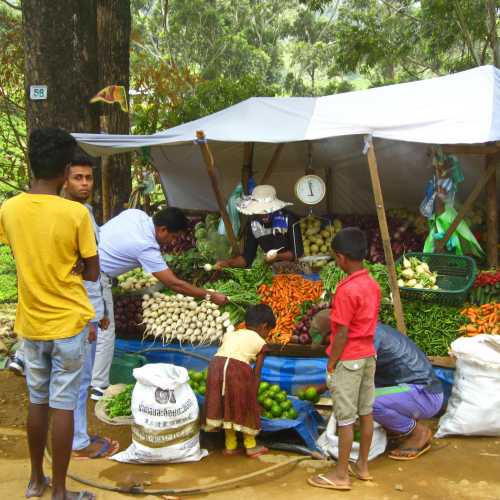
(482, 319)
(284, 296)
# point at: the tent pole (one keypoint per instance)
(247, 169)
(483, 179)
(272, 163)
(105, 176)
(209, 163)
(384, 230)
(492, 216)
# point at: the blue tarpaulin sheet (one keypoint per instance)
(290, 373)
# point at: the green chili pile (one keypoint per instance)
(432, 327)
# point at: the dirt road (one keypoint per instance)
(459, 468)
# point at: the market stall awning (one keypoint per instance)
(463, 108)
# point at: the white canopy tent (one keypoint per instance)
(463, 108)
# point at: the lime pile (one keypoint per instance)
(198, 381)
(275, 402)
(309, 394)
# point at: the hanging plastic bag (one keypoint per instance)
(427, 205)
(462, 241)
(234, 215)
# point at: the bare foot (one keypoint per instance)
(37, 488)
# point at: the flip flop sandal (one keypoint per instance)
(353, 471)
(417, 452)
(85, 495)
(330, 485)
(261, 451)
(107, 449)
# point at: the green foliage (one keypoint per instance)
(8, 277)
(13, 170)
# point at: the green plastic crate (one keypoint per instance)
(456, 275)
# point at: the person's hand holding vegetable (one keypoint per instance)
(218, 298)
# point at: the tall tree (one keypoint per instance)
(113, 53)
(61, 52)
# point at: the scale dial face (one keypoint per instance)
(310, 189)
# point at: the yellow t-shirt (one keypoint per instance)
(243, 345)
(47, 235)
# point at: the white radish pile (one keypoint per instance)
(136, 279)
(176, 317)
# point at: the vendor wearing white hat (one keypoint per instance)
(270, 228)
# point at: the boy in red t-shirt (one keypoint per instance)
(351, 365)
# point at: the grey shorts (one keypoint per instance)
(353, 389)
(53, 370)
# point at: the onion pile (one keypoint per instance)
(136, 279)
(176, 317)
(128, 315)
(404, 238)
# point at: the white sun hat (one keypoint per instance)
(263, 200)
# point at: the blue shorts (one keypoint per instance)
(53, 370)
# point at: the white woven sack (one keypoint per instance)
(166, 417)
(474, 405)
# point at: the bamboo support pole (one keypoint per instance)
(209, 163)
(481, 183)
(384, 230)
(274, 160)
(492, 215)
(247, 168)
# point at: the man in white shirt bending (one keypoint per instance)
(132, 239)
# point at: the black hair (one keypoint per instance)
(50, 151)
(351, 242)
(172, 218)
(82, 160)
(261, 313)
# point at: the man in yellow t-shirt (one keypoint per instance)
(48, 235)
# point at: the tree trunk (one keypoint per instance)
(61, 52)
(113, 41)
(491, 23)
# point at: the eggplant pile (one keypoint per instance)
(128, 315)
